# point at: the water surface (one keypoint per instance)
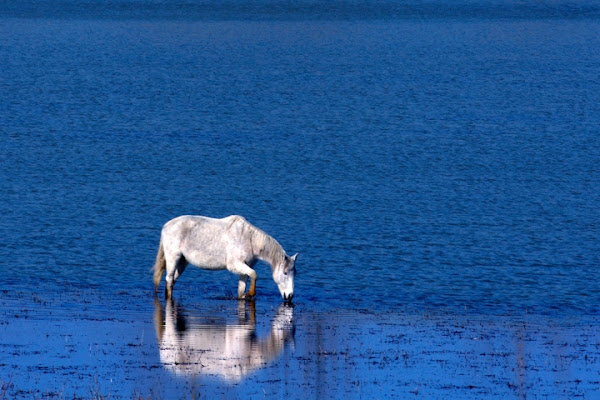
(435, 165)
(73, 345)
(429, 162)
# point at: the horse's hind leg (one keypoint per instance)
(175, 266)
(179, 268)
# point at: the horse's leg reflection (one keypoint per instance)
(213, 347)
(159, 319)
(252, 306)
(243, 316)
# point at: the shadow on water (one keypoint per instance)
(214, 347)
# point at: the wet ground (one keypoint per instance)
(83, 343)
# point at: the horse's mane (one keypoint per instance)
(266, 247)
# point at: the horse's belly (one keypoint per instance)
(206, 261)
(211, 267)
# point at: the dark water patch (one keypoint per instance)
(299, 10)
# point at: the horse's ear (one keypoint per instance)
(294, 257)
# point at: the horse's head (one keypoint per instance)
(283, 275)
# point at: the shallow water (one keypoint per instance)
(423, 158)
(222, 349)
(443, 161)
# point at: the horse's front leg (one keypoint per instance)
(242, 285)
(240, 268)
(252, 290)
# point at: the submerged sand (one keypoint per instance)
(78, 344)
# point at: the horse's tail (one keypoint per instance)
(159, 266)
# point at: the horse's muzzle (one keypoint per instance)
(288, 297)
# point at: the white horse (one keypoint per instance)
(229, 351)
(230, 243)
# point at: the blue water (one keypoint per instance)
(417, 155)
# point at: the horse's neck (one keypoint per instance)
(268, 250)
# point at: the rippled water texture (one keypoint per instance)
(436, 165)
(435, 158)
(217, 349)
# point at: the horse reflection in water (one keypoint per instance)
(215, 348)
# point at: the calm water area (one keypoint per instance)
(436, 165)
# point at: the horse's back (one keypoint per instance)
(187, 223)
(203, 241)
